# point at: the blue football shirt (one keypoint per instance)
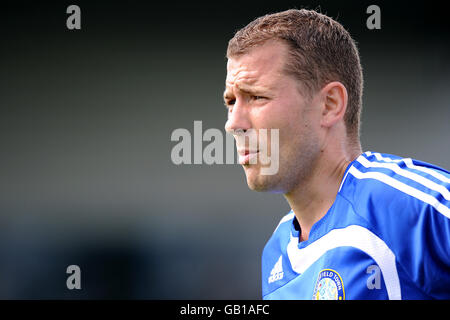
(386, 236)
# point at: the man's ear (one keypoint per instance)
(334, 103)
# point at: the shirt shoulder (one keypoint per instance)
(386, 184)
(406, 203)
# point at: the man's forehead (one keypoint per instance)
(242, 74)
(248, 82)
(254, 62)
(259, 64)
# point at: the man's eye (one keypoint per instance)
(258, 97)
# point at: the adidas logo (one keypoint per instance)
(277, 271)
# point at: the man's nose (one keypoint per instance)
(238, 119)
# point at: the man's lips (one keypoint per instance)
(246, 155)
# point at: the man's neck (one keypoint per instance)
(313, 197)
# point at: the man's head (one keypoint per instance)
(297, 71)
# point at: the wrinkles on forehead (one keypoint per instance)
(247, 80)
(241, 75)
(259, 70)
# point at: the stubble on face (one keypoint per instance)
(287, 110)
(298, 153)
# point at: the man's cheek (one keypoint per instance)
(269, 156)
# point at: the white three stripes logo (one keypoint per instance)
(277, 271)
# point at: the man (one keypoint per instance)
(362, 225)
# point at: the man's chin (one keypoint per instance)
(256, 181)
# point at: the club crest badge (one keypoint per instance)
(329, 286)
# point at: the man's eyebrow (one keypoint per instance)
(229, 96)
(247, 89)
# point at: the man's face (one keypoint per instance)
(260, 95)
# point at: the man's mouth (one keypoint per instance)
(245, 156)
